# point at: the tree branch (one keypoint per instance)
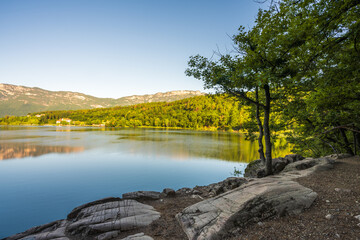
(341, 127)
(243, 96)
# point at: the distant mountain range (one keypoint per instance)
(19, 100)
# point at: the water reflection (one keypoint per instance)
(172, 144)
(185, 144)
(21, 150)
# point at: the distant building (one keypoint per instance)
(39, 115)
(68, 120)
(99, 125)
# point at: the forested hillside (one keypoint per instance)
(20, 100)
(202, 112)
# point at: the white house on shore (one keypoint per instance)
(68, 120)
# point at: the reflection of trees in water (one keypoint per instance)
(177, 144)
(183, 145)
(21, 150)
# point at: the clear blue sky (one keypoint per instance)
(114, 48)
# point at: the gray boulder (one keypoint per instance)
(339, 156)
(223, 186)
(256, 169)
(184, 191)
(278, 164)
(293, 158)
(142, 195)
(120, 215)
(103, 219)
(323, 163)
(76, 210)
(169, 192)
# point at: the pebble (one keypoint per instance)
(196, 192)
(260, 223)
(358, 224)
(329, 217)
(345, 190)
(196, 196)
(357, 217)
(236, 231)
(337, 235)
(327, 201)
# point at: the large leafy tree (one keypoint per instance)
(329, 121)
(277, 61)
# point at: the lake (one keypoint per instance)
(45, 172)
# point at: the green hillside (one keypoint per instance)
(202, 112)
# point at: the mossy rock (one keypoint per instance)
(255, 169)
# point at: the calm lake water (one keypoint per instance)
(45, 172)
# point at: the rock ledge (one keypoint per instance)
(252, 202)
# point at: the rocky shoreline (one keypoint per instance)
(203, 212)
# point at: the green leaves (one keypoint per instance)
(307, 53)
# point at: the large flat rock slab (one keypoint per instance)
(118, 215)
(103, 219)
(254, 201)
(250, 203)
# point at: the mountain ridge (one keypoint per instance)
(20, 100)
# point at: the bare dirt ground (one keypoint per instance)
(338, 197)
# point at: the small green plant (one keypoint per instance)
(237, 172)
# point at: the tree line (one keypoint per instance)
(216, 112)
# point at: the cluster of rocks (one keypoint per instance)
(213, 189)
(257, 168)
(227, 205)
(111, 218)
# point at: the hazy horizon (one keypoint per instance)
(113, 48)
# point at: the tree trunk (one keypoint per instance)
(358, 140)
(261, 131)
(355, 144)
(346, 142)
(268, 166)
(328, 143)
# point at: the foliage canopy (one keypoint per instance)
(285, 61)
